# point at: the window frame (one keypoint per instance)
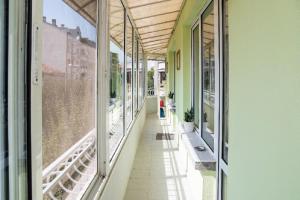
(105, 165)
(218, 48)
(217, 75)
(222, 164)
(36, 99)
(128, 126)
(195, 24)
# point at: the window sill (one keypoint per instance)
(203, 160)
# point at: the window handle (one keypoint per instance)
(35, 63)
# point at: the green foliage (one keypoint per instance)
(150, 75)
(189, 115)
(205, 117)
(171, 95)
(113, 94)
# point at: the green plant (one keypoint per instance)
(150, 75)
(189, 115)
(205, 117)
(171, 95)
(113, 95)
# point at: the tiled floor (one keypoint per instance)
(159, 170)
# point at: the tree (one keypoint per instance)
(150, 75)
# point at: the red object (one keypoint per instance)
(161, 103)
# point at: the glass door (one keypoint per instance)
(3, 103)
(69, 75)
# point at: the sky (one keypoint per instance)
(57, 9)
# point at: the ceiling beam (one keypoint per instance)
(86, 4)
(155, 45)
(156, 36)
(82, 11)
(161, 14)
(164, 29)
(148, 4)
(155, 40)
(156, 24)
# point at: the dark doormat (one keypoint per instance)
(165, 136)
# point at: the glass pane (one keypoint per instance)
(225, 82)
(69, 60)
(208, 76)
(129, 102)
(3, 105)
(134, 78)
(140, 76)
(116, 111)
(196, 78)
(224, 186)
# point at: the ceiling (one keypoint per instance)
(154, 20)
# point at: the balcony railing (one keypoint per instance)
(66, 177)
(151, 92)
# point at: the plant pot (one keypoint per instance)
(113, 100)
(171, 102)
(205, 125)
(188, 127)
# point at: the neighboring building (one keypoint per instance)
(62, 42)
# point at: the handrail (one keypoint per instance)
(59, 171)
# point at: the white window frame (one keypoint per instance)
(105, 164)
(36, 99)
(223, 166)
(217, 75)
(218, 48)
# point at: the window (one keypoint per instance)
(208, 75)
(3, 104)
(140, 75)
(117, 71)
(225, 82)
(134, 78)
(224, 104)
(224, 186)
(129, 74)
(68, 99)
(195, 73)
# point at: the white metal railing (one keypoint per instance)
(151, 92)
(77, 160)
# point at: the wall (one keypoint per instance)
(264, 100)
(181, 40)
(152, 104)
(264, 97)
(116, 184)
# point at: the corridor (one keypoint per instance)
(159, 170)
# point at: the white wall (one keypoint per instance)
(152, 104)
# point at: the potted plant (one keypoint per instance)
(171, 100)
(188, 123)
(113, 96)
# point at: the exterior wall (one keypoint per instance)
(264, 98)
(116, 184)
(152, 105)
(181, 40)
(55, 44)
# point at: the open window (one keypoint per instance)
(208, 71)
(69, 69)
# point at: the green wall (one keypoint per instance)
(264, 96)
(264, 100)
(181, 40)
